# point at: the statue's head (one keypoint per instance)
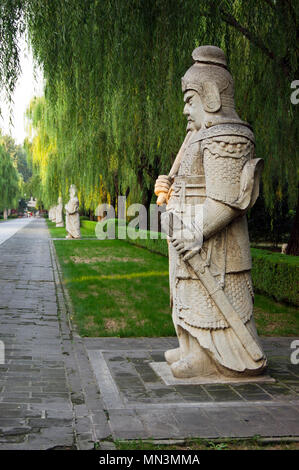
(73, 190)
(60, 200)
(208, 89)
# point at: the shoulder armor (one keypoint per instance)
(224, 159)
(228, 130)
(228, 146)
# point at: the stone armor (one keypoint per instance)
(217, 165)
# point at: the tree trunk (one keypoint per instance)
(293, 245)
(146, 201)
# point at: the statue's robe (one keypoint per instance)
(53, 214)
(217, 167)
(59, 216)
(72, 218)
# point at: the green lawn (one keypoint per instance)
(210, 444)
(119, 289)
(60, 232)
(275, 319)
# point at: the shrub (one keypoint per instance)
(156, 245)
(276, 275)
(89, 224)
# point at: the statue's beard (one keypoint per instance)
(192, 127)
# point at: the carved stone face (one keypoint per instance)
(193, 110)
(72, 191)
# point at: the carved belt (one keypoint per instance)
(188, 186)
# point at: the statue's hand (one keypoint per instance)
(162, 185)
(189, 245)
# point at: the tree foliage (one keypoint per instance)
(10, 180)
(18, 156)
(113, 104)
(11, 26)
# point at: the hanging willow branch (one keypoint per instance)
(112, 116)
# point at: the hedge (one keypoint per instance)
(276, 275)
(89, 224)
(273, 274)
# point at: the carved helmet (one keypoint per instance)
(73, 188)
(210, 78)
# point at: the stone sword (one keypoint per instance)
(216, 292)
(162, 196)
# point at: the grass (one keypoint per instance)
(118, 289)
(275, 319)
(60, 232)
(254, 443)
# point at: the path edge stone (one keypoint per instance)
(90, 422)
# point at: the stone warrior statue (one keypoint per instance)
(52, 214)
(213, 182)
(72, 219)
(59, 214)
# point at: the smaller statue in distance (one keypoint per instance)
(72, 219)
(59, 213)
(53, 214)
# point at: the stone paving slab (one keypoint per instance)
(140, 405)
(36, 410)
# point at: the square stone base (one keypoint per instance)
(163, 370)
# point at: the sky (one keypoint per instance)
(29, 84)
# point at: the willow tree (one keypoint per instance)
(113, 98)
(18, 156)
(10, 181)
(11, 27)
(42, 155)
(52, 171)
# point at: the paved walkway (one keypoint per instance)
(58, 390)
(11, 226)
(40, 388)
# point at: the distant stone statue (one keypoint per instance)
(52, 214)
(284, 248)
(72, 219)
(213, 182)
(59, 214)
